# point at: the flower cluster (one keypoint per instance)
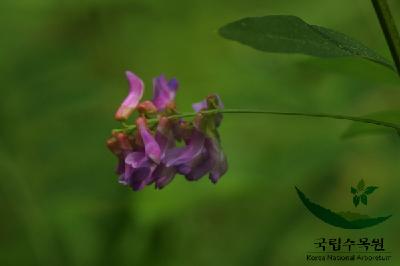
(162, 144)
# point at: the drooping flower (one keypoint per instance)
(136, 89)
(211, 160)
(189, 158)
(203, 153)
(141, 162)
(208, 125)
(138, 170)
(148, 154)
(182, 155)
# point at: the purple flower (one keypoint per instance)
(164, 91)
(212, 159)
(149, 154)
(138, 170)
(144, 167)
(182, 155)
(136, 88)
(139, 165)
(200, 156)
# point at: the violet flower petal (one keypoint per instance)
(129, 104)
(173, 84)
(197, 107)
(163, 175)
(200, 167)
(181, 155)
(217, 156)
(184, 169)
(151, 147)
(164, 91)
(200, 170)
(164, 136)
(136, 159)
(138, 178)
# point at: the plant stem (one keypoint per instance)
(253, 111)
(389, 29)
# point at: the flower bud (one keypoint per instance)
(147, 107)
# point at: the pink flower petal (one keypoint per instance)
(129, 104)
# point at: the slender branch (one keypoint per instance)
(253, 111)
(389, 29)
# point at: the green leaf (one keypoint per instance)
(370, 189)
(358, 129)
(356, 200)
(353, 190)
(361, 185)
(364, 199)
(290, 34)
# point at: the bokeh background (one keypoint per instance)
(62, 77)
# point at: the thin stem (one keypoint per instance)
(389, 29)
(253, 111)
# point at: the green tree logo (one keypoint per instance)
(361, 193)
(345, 219)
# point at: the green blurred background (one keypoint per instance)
(62, 78)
